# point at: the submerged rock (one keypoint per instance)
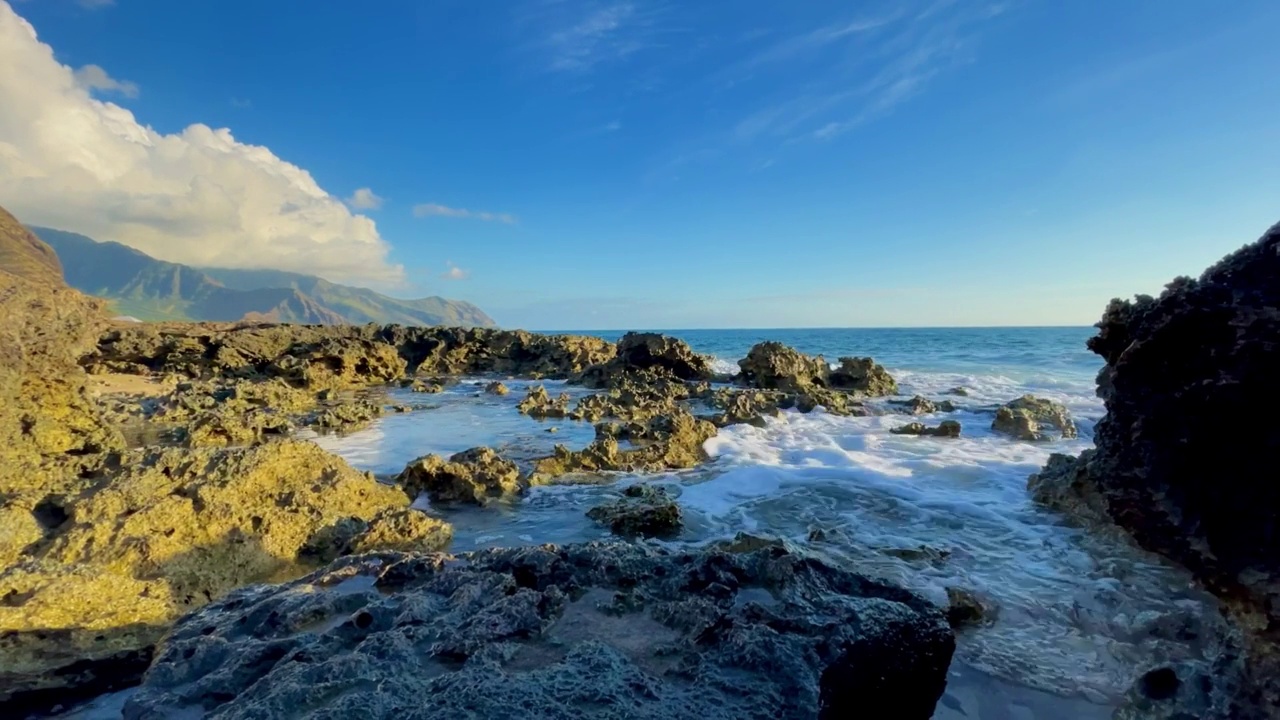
(418, 385)
(1184, 454)
(652, 354)
(744, 406)
(1026, 417)
(479, 475)
(581, 631)
(946, 428)
(919, 405)
(496, 388)
(347, 414)
(539, 404)
(966, 608)
(643, 510)
(164, 532)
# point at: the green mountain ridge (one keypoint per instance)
(143, 287)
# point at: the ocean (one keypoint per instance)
(1080, 614)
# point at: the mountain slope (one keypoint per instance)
(150, 289)
(359, 305)
(25, 255)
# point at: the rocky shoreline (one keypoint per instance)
(149, 486)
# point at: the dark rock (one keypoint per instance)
(643, 510)
(947, 428)
(863, 376)
(1182, 455)
(496, 388)
(917, 405)
(478, 476)
(584, 631)
(659, 355)
(419, 385)
(1025, 418)
(960, 391)
(774, 366)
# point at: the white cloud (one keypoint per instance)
(365, 199)
(199, 196)
(93, 77)
(454, 272)
(422, 210)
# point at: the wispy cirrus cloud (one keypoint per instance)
(848, 71)
(422, 210)
(576, 36)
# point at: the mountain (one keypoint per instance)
(358, 305)
(149, 289)
(24, 255)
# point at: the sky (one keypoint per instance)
(614, 164)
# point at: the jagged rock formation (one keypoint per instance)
(152, 534)
(666, 442)
(478, 476)
(643, 510)
(1025, 418)
(581, 631)
(652, 354)
(539, 404)
(321, 356)
(1183, 457)
(774, 366)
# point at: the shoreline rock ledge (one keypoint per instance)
(1185, 461)
(598, 630)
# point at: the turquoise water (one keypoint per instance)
(1080, 615)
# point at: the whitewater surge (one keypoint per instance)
(1079, 615)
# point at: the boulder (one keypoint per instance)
(946, 428)
(580, 631)
(651, 353)
(967, 608)
(863, 376)
(1183, 455)
(165, 531)
(539, 404)
(496, 388)
(478, 475)
(643, 510)
(1026, 417)
(773, 366)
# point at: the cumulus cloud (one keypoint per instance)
(93, 77)
(422, 210)
(364, 199)
(199, 196)
(454, 272)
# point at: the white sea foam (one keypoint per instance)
(722, 366)
(1079, 614)
(933, 513)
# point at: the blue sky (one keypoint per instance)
(571, 164)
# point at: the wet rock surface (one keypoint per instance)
(946, 429)
(1183, 454)
(666, 442)
(1029, 418)
(478, 476)
(581, 631)
(539, 404)
(643, 510)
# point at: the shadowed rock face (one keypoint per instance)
(774, 366)
(659, 356)
(340, 356)
(1186, 453)
(581, 631)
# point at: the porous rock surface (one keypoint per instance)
(643, 510)
(1185, 455)
(477, 476)
(334, 356)
(1026, 418)
(658, 355)
(580, 631)
(773, 366)
(946, 429)
(118, 555)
